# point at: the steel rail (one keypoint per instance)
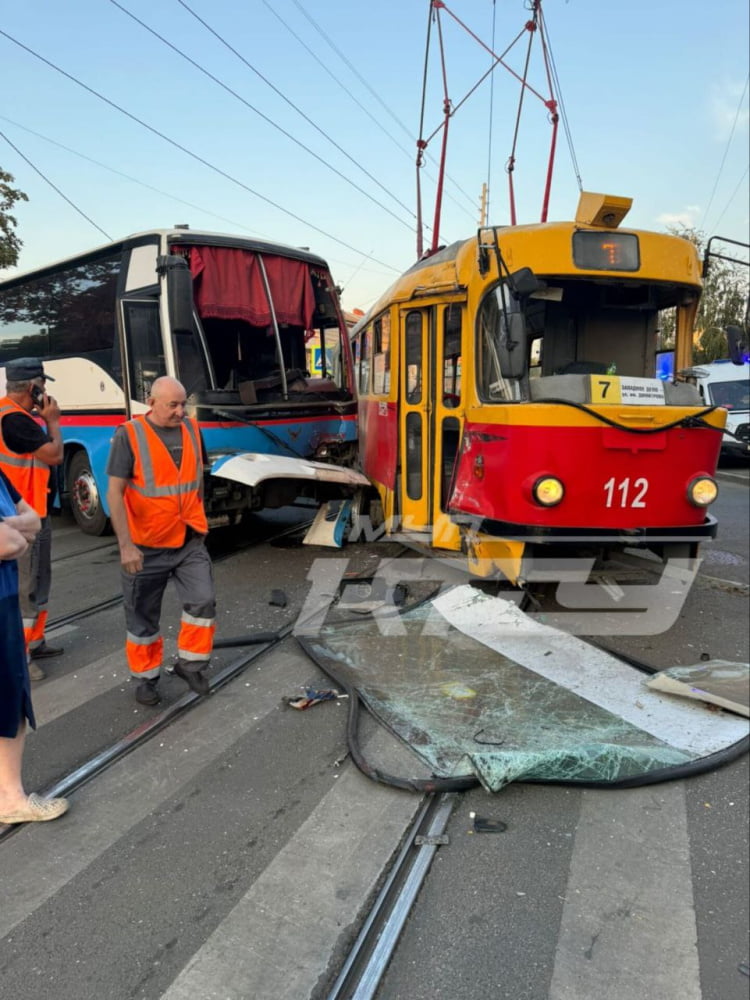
(146, 730)
(113, 602)
(367, 961)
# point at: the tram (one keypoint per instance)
(254, 331)
(508, 403)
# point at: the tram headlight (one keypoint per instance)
(548, 491)
(702, 491)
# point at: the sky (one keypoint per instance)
(297, 121)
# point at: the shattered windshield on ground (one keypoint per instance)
(475, 687)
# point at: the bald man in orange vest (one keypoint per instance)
(155, 497)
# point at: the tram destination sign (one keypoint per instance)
(616, 389)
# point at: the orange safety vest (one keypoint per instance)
(161, 500)
(29, 475)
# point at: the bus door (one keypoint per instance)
(144, 348)
(430, 416)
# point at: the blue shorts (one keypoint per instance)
(15, 690)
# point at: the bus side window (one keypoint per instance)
(145, 350)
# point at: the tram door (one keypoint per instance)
(430, 418)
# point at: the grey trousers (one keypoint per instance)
(34, 583)
(191, 570)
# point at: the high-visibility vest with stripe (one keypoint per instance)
(161, 500)
(29, 474)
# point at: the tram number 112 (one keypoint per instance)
(629, 496)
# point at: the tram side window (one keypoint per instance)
(364, 362)
(355, 353)
(68, 313)
(452, 356)
(413, 357)
(381, 368)
(144, 346)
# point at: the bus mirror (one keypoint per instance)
(736, 344)
(179, 292)
(524, 282)
(512, 348)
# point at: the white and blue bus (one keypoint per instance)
(235, 320)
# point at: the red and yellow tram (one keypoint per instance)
(508, 404)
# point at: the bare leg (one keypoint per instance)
(15, 805)
(12, 794)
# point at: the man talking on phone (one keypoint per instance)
(30, 443)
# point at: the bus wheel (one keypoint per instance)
(366, 516)
(85, 500)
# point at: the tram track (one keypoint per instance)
(112, 602)
(376, 942)
(109, 755)
(115, 752)
(383, 922)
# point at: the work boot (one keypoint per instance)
(35, 672)
(44, 650)
(193, 678)
(146, 693)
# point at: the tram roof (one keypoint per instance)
(177, 234)
(451, 264)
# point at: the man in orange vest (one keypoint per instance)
(27, 450)
(155, 496)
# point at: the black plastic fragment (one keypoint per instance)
(482, 825)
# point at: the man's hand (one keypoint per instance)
(131, 558)
(49, 411)
(26, 523)
(12, 542)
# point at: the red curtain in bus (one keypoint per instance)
(228, 284)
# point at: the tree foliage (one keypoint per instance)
(724, 301)
(10, 244)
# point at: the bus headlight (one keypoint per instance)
(702, 491)
(548, 491)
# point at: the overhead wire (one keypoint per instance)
(55, 187)
(291, 104)
(486, 203)
(724, 157)
(150, 187)
(351, 67)
(359, 104)
(561, 105)
(731, 198)
(269, 121)
(188, 152)
(134, 180)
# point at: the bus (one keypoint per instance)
(236, 320)
(508, 403)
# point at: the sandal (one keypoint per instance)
(36, 810)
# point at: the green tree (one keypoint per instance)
(724, 300)
(10, 244)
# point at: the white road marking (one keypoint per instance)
(628, 926)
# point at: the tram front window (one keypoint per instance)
(497, 320)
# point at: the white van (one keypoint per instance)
(723, 383)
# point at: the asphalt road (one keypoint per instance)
(233, 854)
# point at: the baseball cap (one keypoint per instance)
(24, 369)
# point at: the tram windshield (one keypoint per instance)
(571, 327)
